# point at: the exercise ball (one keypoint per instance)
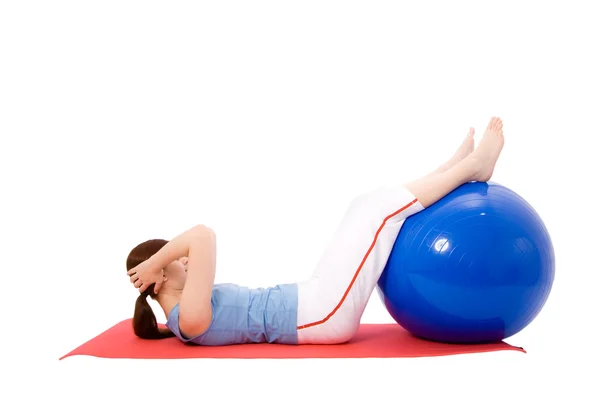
(475, 267)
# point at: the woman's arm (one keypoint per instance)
(198, 244)
(179, 246)
(195, 310)
(150, 272)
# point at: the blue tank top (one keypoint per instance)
(244, 315)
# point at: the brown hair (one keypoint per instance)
(144, 320)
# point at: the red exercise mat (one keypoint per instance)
(372, 340)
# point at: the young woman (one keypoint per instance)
(324, 309)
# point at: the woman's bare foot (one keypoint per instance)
(466, 148)
(476, 166)
(486, 155)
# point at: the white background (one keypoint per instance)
(128, 120)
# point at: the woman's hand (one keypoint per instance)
(145, 274)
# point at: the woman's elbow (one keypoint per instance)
(203, 231)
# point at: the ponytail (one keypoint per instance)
(144, 320)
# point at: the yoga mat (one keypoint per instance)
(371, 341)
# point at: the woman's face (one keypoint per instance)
(176, 272)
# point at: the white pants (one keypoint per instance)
(331, 302)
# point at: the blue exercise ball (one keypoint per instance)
(475, 267)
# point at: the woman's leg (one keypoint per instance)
(332, 301)
(465, 148)
(477, 166)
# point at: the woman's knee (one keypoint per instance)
(366, 198)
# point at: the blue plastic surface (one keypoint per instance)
(475, 267)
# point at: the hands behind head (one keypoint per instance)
(145, 274)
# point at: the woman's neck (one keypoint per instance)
(168, 299)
